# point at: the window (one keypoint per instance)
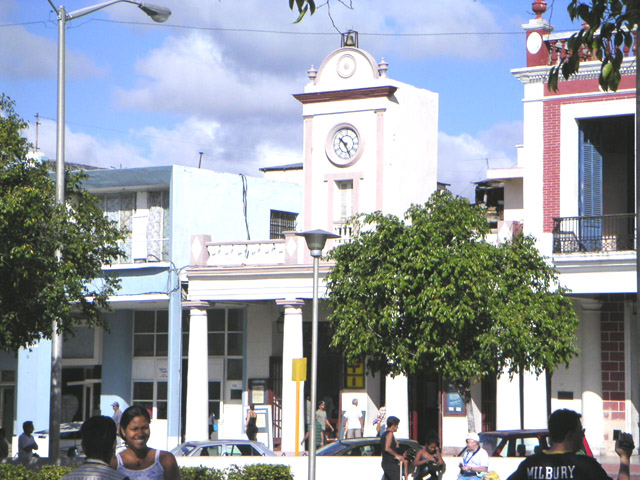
(158, 227)
(281, 222)
(119, 208)
(226, 338)
(144, 216)
(344, 204)
(151, 394)
(150, 333)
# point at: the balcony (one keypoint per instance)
(600, 234)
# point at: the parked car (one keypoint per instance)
(222, 448)
(519, 443)
(365, 447)
(70, 440)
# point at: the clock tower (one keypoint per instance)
(370, 142)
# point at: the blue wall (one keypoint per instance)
(116, 361)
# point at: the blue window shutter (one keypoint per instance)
(590, 177)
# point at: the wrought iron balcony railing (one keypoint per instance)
(606, 233)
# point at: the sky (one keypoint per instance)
(219, 75)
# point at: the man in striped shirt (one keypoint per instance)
(99, 445)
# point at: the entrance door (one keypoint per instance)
(88, 392)
(424, 406)
(7, 399)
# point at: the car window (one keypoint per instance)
(211, 451)
(247, 450)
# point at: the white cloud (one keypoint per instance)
(464, 159)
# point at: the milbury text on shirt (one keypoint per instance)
(551, 473)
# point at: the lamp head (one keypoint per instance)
(316, 240)
(157, 13)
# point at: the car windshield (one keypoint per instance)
(331, 449)
(183, 450)
(513, 445)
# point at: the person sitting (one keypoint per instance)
(99, 445)
(428, 462)
(475, 459)
(521, 450)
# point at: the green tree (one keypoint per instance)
(429, 294)
(303, 6)
(36, 288)
(606, 32)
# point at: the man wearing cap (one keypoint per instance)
(475, 459)
(117, 415)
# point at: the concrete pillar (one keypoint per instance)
(197, 422)
(291, 348)
(592, 404)
(397, 400)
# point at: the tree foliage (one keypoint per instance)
(303, 6)
(606, 32)
(429, 294)
(35, 287)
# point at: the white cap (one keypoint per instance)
(473, 436)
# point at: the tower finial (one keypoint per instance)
(539, 7)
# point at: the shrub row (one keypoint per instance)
(247, 472)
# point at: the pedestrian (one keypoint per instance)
(562, 461)
(4, 446)
(213, 425)
(475, 459)
(26, 443)
(117, 414)
(392, 460)
(137, 460)
(321, 418)
(353, 421)
(250, 427)
(98, 444)
(428, 462)
(380, 422)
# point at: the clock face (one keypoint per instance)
(346, 143)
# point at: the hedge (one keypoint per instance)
(247, 472)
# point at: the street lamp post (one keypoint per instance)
(157, 14)
(316, 240)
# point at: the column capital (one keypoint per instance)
(290, 302)
(199, 304)
(589, 304)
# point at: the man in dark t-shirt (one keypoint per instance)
(561, 462)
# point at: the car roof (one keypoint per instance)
(526, 432)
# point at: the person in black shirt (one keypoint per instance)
(561, 462)
(391, 457)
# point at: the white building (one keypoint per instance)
(370, 143)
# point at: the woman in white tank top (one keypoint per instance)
(137, 461)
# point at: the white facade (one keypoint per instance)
(370, 143)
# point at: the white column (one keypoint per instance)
(397, 402)
(592, 405)
(291, 348)
(197, 422)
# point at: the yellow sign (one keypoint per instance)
(299, 372)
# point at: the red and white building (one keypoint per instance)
(573, 189)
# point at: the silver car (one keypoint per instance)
(222, 448)
(70, 439)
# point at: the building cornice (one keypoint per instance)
(588, 71)
(351, 94)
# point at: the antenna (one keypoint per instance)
(37, 125)
(200, 161)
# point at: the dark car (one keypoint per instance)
(365, 447)
(520, 443)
